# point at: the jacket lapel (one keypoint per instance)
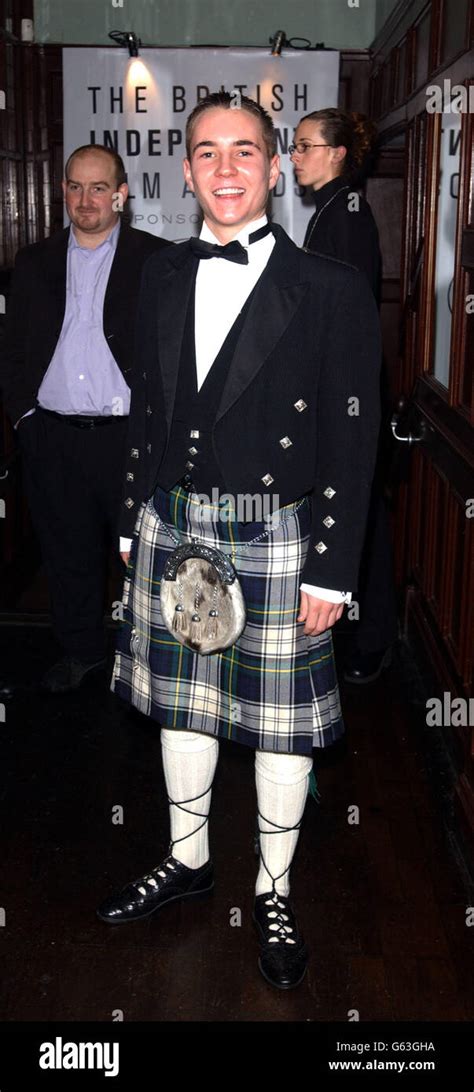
(56, 270)
(277, 296)
(117, 284)
(174, 291)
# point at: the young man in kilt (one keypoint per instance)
(256, 373)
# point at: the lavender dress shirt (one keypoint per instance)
(83, 376)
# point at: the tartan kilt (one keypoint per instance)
(275, 689)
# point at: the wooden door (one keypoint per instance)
(434, 519)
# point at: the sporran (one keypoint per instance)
(202, 603)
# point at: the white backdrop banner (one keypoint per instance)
(139, 107)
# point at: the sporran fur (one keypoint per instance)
(201, 599)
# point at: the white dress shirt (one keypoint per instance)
(222, 287)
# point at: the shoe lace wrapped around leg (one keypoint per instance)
(169, 864)
(274, 893)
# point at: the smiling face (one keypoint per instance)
(89, 193)
(316, 166)
(229, 170)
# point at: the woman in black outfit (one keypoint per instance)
(331, 152)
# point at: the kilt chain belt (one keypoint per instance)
(241, 545)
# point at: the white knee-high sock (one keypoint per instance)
(189, 763)
(282, 788)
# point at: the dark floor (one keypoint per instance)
(382, 902)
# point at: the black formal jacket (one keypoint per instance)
(306, 367)
(37, 303)
(338, 232)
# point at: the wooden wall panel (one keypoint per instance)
(440, 558)
(416, 517)
(467, 612)
(402, 72)
(455, 18)
(423, 48)
(441, 32)
(451, 537)
(354, 80)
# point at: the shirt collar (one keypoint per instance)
(111, 239)
(243, 235)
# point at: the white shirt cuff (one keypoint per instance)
(125, 545)
(328, 594)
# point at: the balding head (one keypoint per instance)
(93, 194)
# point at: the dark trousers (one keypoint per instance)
(377, 627)
(74, 481)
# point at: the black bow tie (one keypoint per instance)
(233, 252)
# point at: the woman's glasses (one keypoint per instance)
(302, 148)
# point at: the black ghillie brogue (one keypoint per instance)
(283, 954)
(168, 882)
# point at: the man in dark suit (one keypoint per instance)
(66, 369)
(249, 387)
